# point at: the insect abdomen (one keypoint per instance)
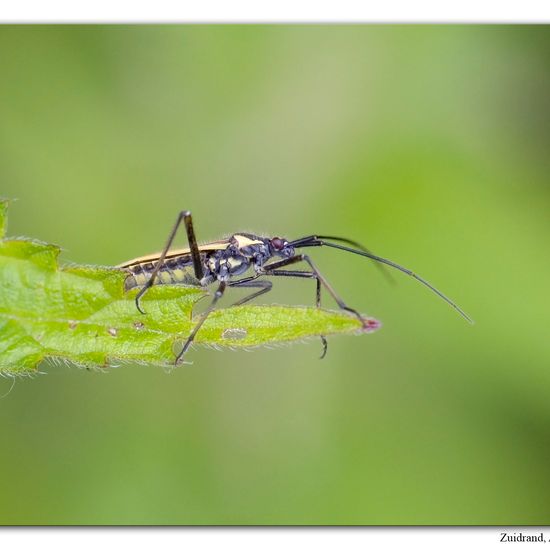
(173, 271)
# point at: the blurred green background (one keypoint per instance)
(430, 144)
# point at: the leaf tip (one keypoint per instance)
(371, 325)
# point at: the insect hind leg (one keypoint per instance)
(183, 216)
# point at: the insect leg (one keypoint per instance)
(217, 295)
(308, 275)
(250, 282)
(184, 216)
(266, 286)
(305, 258)
(193, 246)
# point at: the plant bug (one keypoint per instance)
(224, 261)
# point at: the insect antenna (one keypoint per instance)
(319, 241)
(382, 268)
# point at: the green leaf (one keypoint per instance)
(82, 314)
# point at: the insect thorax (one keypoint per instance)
(222, 265)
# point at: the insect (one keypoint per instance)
(224, 262)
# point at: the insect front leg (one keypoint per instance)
(270, 268)
(184, 216)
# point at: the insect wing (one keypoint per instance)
(207, 247)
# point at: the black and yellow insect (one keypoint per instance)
(223, 261)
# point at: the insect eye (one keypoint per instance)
(277, 244)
